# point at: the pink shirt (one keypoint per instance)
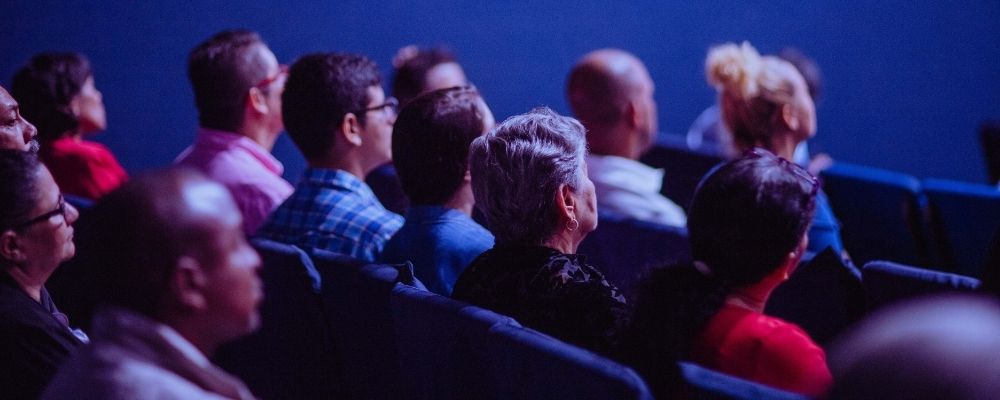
(250, 172)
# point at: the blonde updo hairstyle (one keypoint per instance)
(752, 91)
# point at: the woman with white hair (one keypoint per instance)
(530, 181)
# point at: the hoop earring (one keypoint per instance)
(572, 225)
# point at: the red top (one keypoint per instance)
(82, 168)
(762, 349)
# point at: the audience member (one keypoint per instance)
(612, 94)
(529, 178)
(36, 235)
(337, 114)
(927, 349)
(417, 71)
(56, 90)
(430, 145)
(747, 226)
(765, 103)
(179, 279)
(16, 133)
(237, 85)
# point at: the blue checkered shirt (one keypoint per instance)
(333, 210)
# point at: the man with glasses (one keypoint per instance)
(237, 85)
(336, 112)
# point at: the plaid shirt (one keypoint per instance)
(333, 210)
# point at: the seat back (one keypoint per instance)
(624, 249)
(964, 217)
(823, 296)
(526, 364)
(683, 168)
(440, 345)
(886, 282)
(292, 354)
(989, 138)
(880, 213)
(706, 384)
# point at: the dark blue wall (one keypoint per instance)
(907, 82)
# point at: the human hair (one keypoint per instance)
(44, 88)
(321, 89)
(807, 67)
(222, 70)
(430, 142)
(411, 67)
(518, 167)
(746, 216)
(752, 89)
(18, 186)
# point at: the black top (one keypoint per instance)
(546, 290)
(34, 340)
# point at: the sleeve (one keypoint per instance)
(90, 172)
(29, 358)
(594, 313)
(254, 204)
(794, 362)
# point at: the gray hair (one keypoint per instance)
(518, 167)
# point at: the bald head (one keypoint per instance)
(611, 93)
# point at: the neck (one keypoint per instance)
(562, 241)
(260, 135)
(462, 200)
(754, 297)
(28, 282)
(613, 141)
(343, 162)
(783, 145)
(194, 334)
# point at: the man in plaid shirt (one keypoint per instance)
(336, 112)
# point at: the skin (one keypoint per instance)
(360, 148)
(580, 205)
(15, 132)
(444, 75)
(463, 200)
(262, 111)
(88, 106)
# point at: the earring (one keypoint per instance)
(572, 225)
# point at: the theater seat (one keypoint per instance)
(624, 249)
(292, 354)
(887, 282)
(880, 213)
(682, 167)
(526, 364)
(964, 217)
(706, 384)
(989, 138)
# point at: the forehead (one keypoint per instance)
(376, 95)
(6, 101)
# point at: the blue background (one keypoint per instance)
(907, 82)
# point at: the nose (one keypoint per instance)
(29, 130)
(71, 214)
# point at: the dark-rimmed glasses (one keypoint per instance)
(391, 105)
(792, 167)
(59, 210)
(282, 70)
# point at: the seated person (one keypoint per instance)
(529, 178)
(36, 235)
(180, 279)
(416, 71)
(16, 133)
(765, 103)
(430, 145)
(747, 225)
(336, 113)
(56, 90)
(612, 94)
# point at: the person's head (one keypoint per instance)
(16, 132)
(808, 68)
(36, 232)
(182, 258)
(422, 70)
(530, 180)
(237, 83)
(934, 348)
(430, 142)
(761, 97)
(56, 90)
(611, 93)
(335, 107)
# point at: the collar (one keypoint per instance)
(223, 140)
(624, 172)
(336, 179)
(433, 213)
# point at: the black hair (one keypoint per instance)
(44, 88)
(410, 79)
(746, 216)
(221, 70)
(18, 186)
(321, 89)
(430, 142)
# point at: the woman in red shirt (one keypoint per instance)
(748, 228)
(56, 91)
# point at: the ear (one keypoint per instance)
(795, 256)
(350, 130)
(256, 101)
(566, 202)
(468, 176)
(790, 117)
(74, 105)
(10, 247)
(632, 114)
(187, 284)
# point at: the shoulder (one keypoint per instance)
(107, 373)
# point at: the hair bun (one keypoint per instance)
(734, 69)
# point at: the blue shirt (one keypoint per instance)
(440, 242)
(335, 211)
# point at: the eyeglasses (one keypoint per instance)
(282, 71)
(60, 210)
(391, 105)
(794, 168)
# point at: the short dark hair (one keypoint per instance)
(430, 142)
(410, 79)
(321, 89)
(222, 69)
(18, 186)
(44, 88)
